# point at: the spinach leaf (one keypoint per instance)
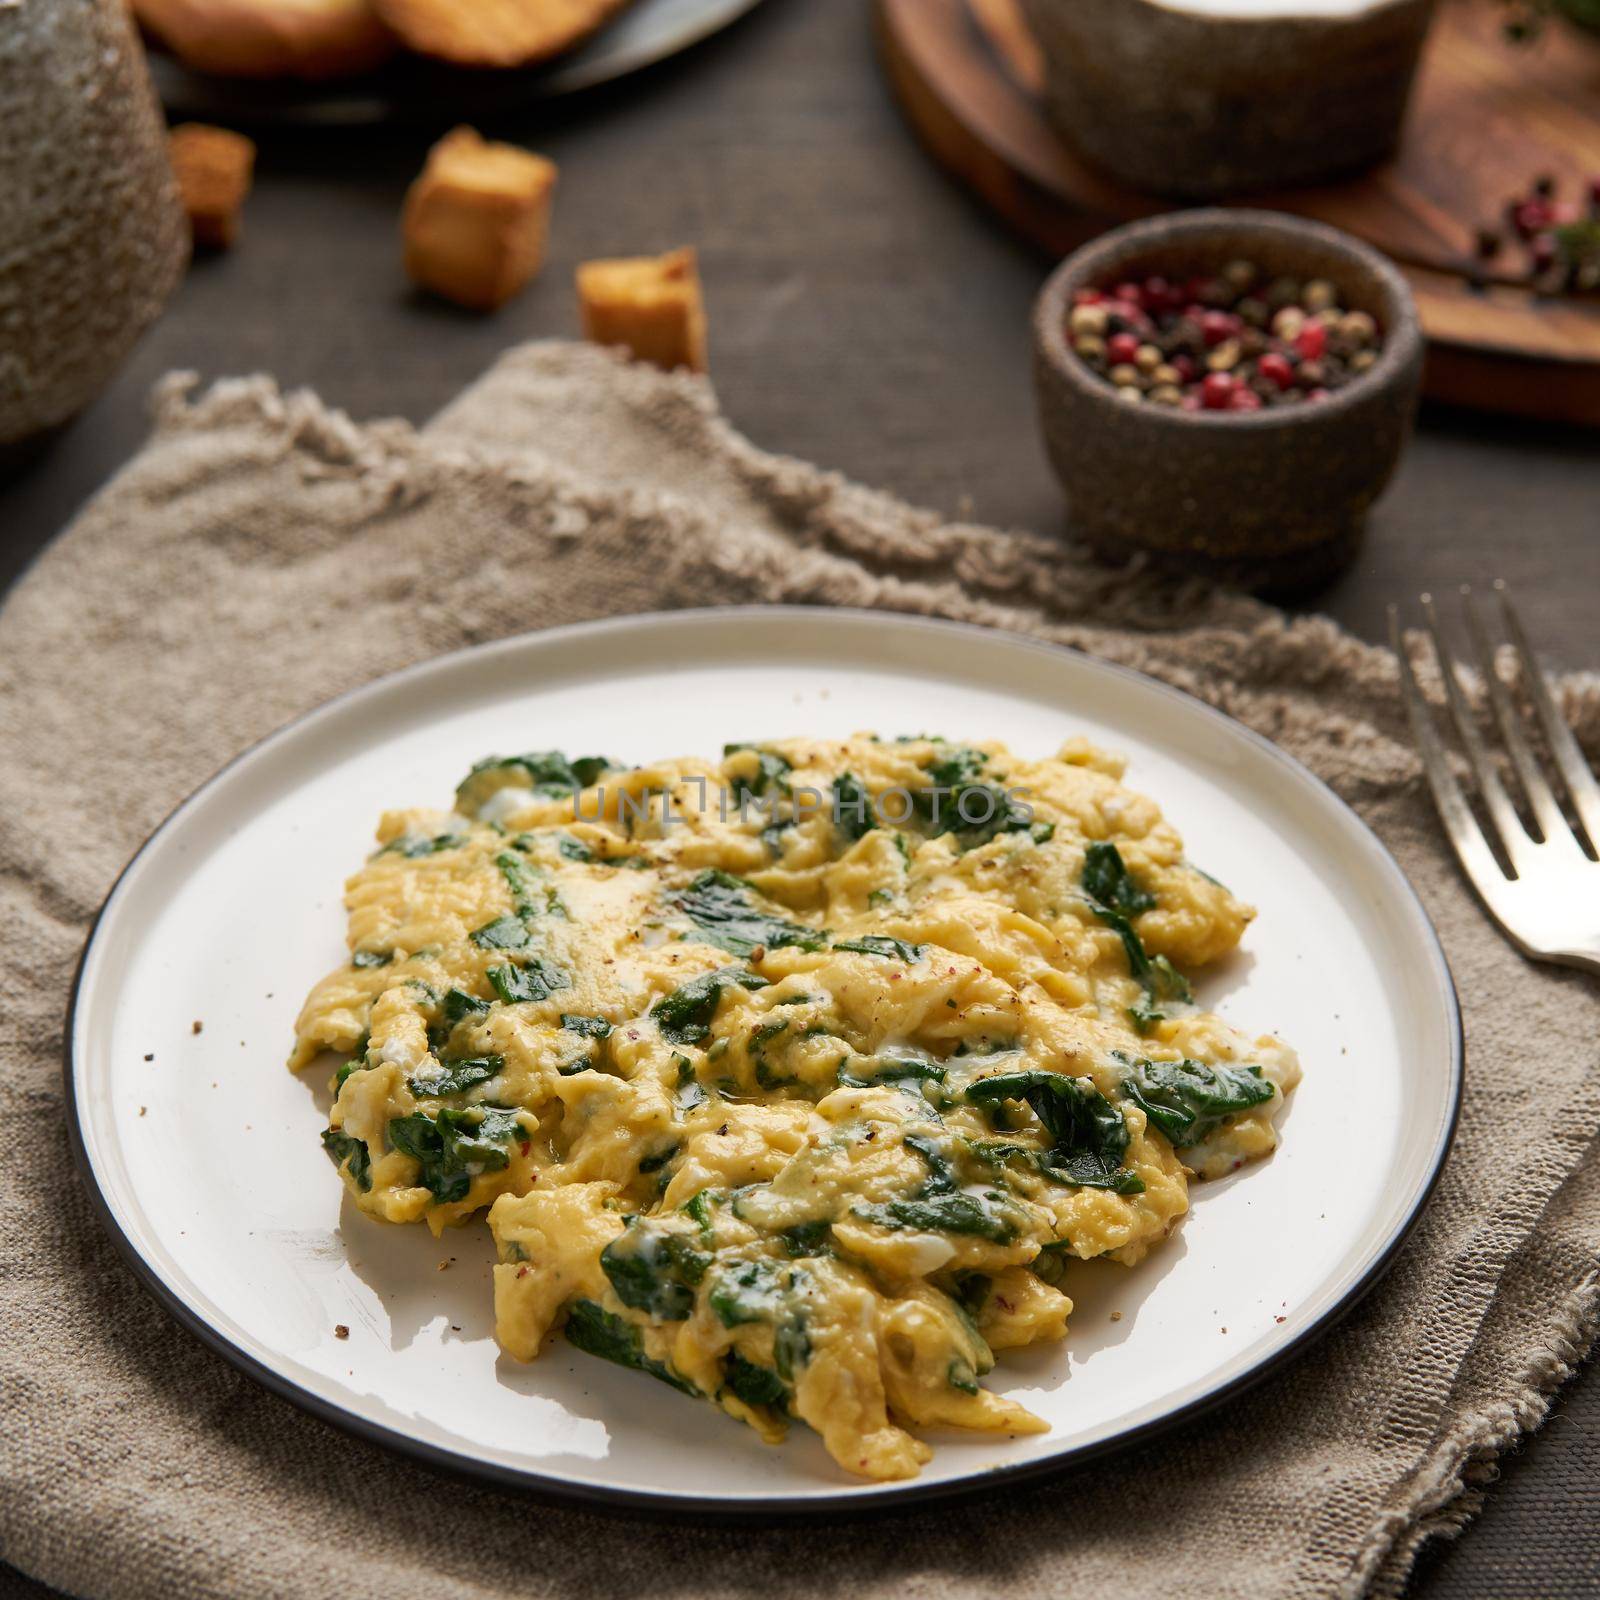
(589, 1027)
(1188, 1100)
(598, 1332)
(1107, 880)
(750, 1291)
(771, 774)
(755, 1385)
(943, 1213)
(456, 1077)
(1089, 1136)
(573, 848)
(371, 958)
(519, 880)
(807, 1238)
(722, 908)
(940, 1206)
(699, 1208)
(504, 933)
(458, 1004)
(548, 773)
(890, 1069)
(880, 944)
(413, 846)
(654, 1269)
(764, 1291)
(684, 1016)
(958, 802)
(1105, 874)
(853, 814)
(350, 1154)
(941, 1174)
(957, 765)
(536, 980)
(655, 1162)
(452, 1146)
(959, 1375)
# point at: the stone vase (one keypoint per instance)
(93, 238)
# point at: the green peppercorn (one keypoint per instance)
(1288, 323)
(1225, 357)
(1319, 295)
(1088, 321)
(1357, 328)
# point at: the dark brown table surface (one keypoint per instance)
(867, 316)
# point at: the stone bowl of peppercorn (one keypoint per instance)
(1227, 391)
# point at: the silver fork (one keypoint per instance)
(1549, 902)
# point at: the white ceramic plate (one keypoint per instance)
(203, 1151)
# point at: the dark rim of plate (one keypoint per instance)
(851, 1502)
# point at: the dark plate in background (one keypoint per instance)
(415, 89)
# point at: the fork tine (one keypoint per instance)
(1575, 773)
(1518, 845)
(1534, 783)
(1459, 822)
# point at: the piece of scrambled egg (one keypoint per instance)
(796, 1080)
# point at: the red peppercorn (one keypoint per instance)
(1276, 370)
(1087, 297)
(1120, 348)
(1191, 400)
(1217, 326)
(1312, 342)
(1529, 217)
(1243, 400)
(1316, 394)
(1187, 368)
(1217, 391)
(1159, 295)
(1131, 292)
(1543, 251)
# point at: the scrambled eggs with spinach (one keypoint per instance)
(796, 1080)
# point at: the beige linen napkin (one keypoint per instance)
(264, 553)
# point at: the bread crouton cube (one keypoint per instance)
(213, 167)
(649, 304)
(477, 218)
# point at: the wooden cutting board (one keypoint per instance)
(1488, 117)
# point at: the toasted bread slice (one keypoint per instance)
(496, 33)
(477, 218)
(213, 168)
(270, 38)
(651, 305)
